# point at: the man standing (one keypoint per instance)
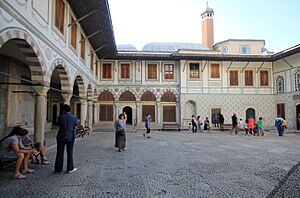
(234, 124)
(147, 125)
(65, 137)
(279, 124)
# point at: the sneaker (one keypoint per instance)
(72, 171)
(27, 171)
(45, 162)
(19, 176)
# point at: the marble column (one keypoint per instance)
(159, 113)
(138, 113)
(90, 112)
(40, 113)
(82, 112)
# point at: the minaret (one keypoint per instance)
(208, 27)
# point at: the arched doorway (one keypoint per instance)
(128, 111)
(297, 116)
(250, 113)
(21, 66)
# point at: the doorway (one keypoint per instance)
(250, 113)
(214, 111)
(128, 111)
(297, 116)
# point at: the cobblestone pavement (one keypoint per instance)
(170, 164)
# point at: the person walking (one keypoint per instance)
(65, 138)
(147, 126)
(260, 126)
(199, 124)
(207, 125)
(234, 124)
(298, 119)
(279, 123)
(120, 136)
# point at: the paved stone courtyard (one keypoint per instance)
(170, 164)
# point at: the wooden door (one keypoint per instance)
(106, 112)
(169, 113)
(281, 110)
(148, 109)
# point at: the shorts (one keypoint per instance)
(260, 129)
(9, 155)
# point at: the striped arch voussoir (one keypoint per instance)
(63, 73)
(30, 50)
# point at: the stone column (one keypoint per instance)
(67, 98)
(40, 113)
(159, 113)
(96, 112)
(82, 111)
(90, 112)
(138, 113)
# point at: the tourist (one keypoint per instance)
(298, 119)
(199, 123)
(234, 124)
(279, 123)
(246, 127)
(216, 120)
(65, 138)
(260, 126)
(241, 124)
(120, 136)
(221, 121)
(10, 149)
(206, 124)
(27, 143)
(251, 123)
(147, 126)
(194, 124)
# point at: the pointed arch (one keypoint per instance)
(106, 96)
(127, 96)
(168, 96)
(148, 96)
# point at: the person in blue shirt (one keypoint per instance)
(147, 125)
(65, 138)
(280, 126)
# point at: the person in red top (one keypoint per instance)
(251, 123)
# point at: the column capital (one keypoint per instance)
(41, 90)
(67, 96)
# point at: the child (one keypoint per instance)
(241, 124)
(246, 127)
(260, 126)
(285, 123)
(206, 124)
(190, 127)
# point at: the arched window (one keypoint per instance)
(297, 80)
(106, 96)
(127, 96)
(168, 97)
(148, 96)
(279, 84)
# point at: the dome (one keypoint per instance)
(126, 47)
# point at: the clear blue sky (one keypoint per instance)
(139, 22)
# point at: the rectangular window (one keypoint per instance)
(194, 70)
(148, 109)
(82, 47)
(106, 71)
(169, 113)
(125, 71)
(92, 61)
(60, 15)
(249, 78)
(106, 112)
(152, 71)
(73, 34)
(215, 71)
(281, 110)
(264, 78)
(234, 78)
(169, 71)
